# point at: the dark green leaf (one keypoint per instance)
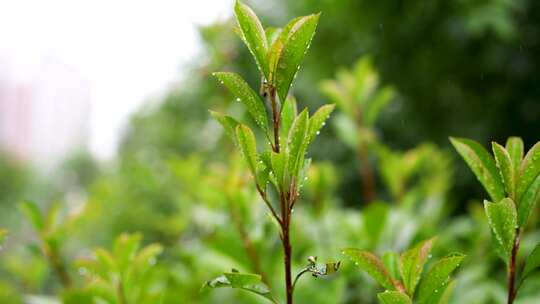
(482, 164)
(245, 281)
(288, 51)
(412, 264)
(528, 201)
(318, 120)
(393, 297)
(530, 169)
(502, 219)
(246, 95)
(248, 146)
(372, 265)
(228, 123)
(253, 35)
(533, 262)
(506, 168)
(436, 280)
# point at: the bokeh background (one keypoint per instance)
(104, 111)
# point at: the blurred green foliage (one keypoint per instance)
(455, 68)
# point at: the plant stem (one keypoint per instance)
(366, 173)
(285, 202)
(512, 292)
(120, 292)
(58, 266)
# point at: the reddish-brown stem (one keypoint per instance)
(365, 170)
(512, 292)
(57, 265)
(366, 173)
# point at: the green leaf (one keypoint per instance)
(245, 94)
(482, 164)
(532, 263)
(445, 298)
(253, 35)
(248, 146)
(372, 265)
(288, 114)
(288, 51)
(530, 169)
(3, 235)
(246, 281)
(318, 120)
(391, 261)
(228, 123)
(393, 297)
(375, 218)
(32, 214)
(272, 34)
(502, 219)
(436, 280)
(297, 142)
(279, 167)
(528, 201)
(372, 110)
(125, 248)
(506, 168)
(514, 146)
(412, 264)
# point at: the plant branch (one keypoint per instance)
(512, 291)
(269, 205)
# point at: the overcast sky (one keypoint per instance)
(128, 51)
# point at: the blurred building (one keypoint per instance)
(44, 113)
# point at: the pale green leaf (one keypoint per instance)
(530, 169)
(412, 264)
(372, 265)
(245, 281)
(375, 218)
(290, 48)
(125, 248)
(253, 35)
(318, 120)
(374, 107)
(32, 214)
(437, 279)
(245, 94)
(228, 123)
(514, 146)
(483, 166)
(393, 297)
(248, 146)
(272, 34)
(502, 219)
(527, 202)
(391, 261)
(533, 261)
(297, 142)
(3, 235)
(279, 167)
(506, 168)
(288, 114)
